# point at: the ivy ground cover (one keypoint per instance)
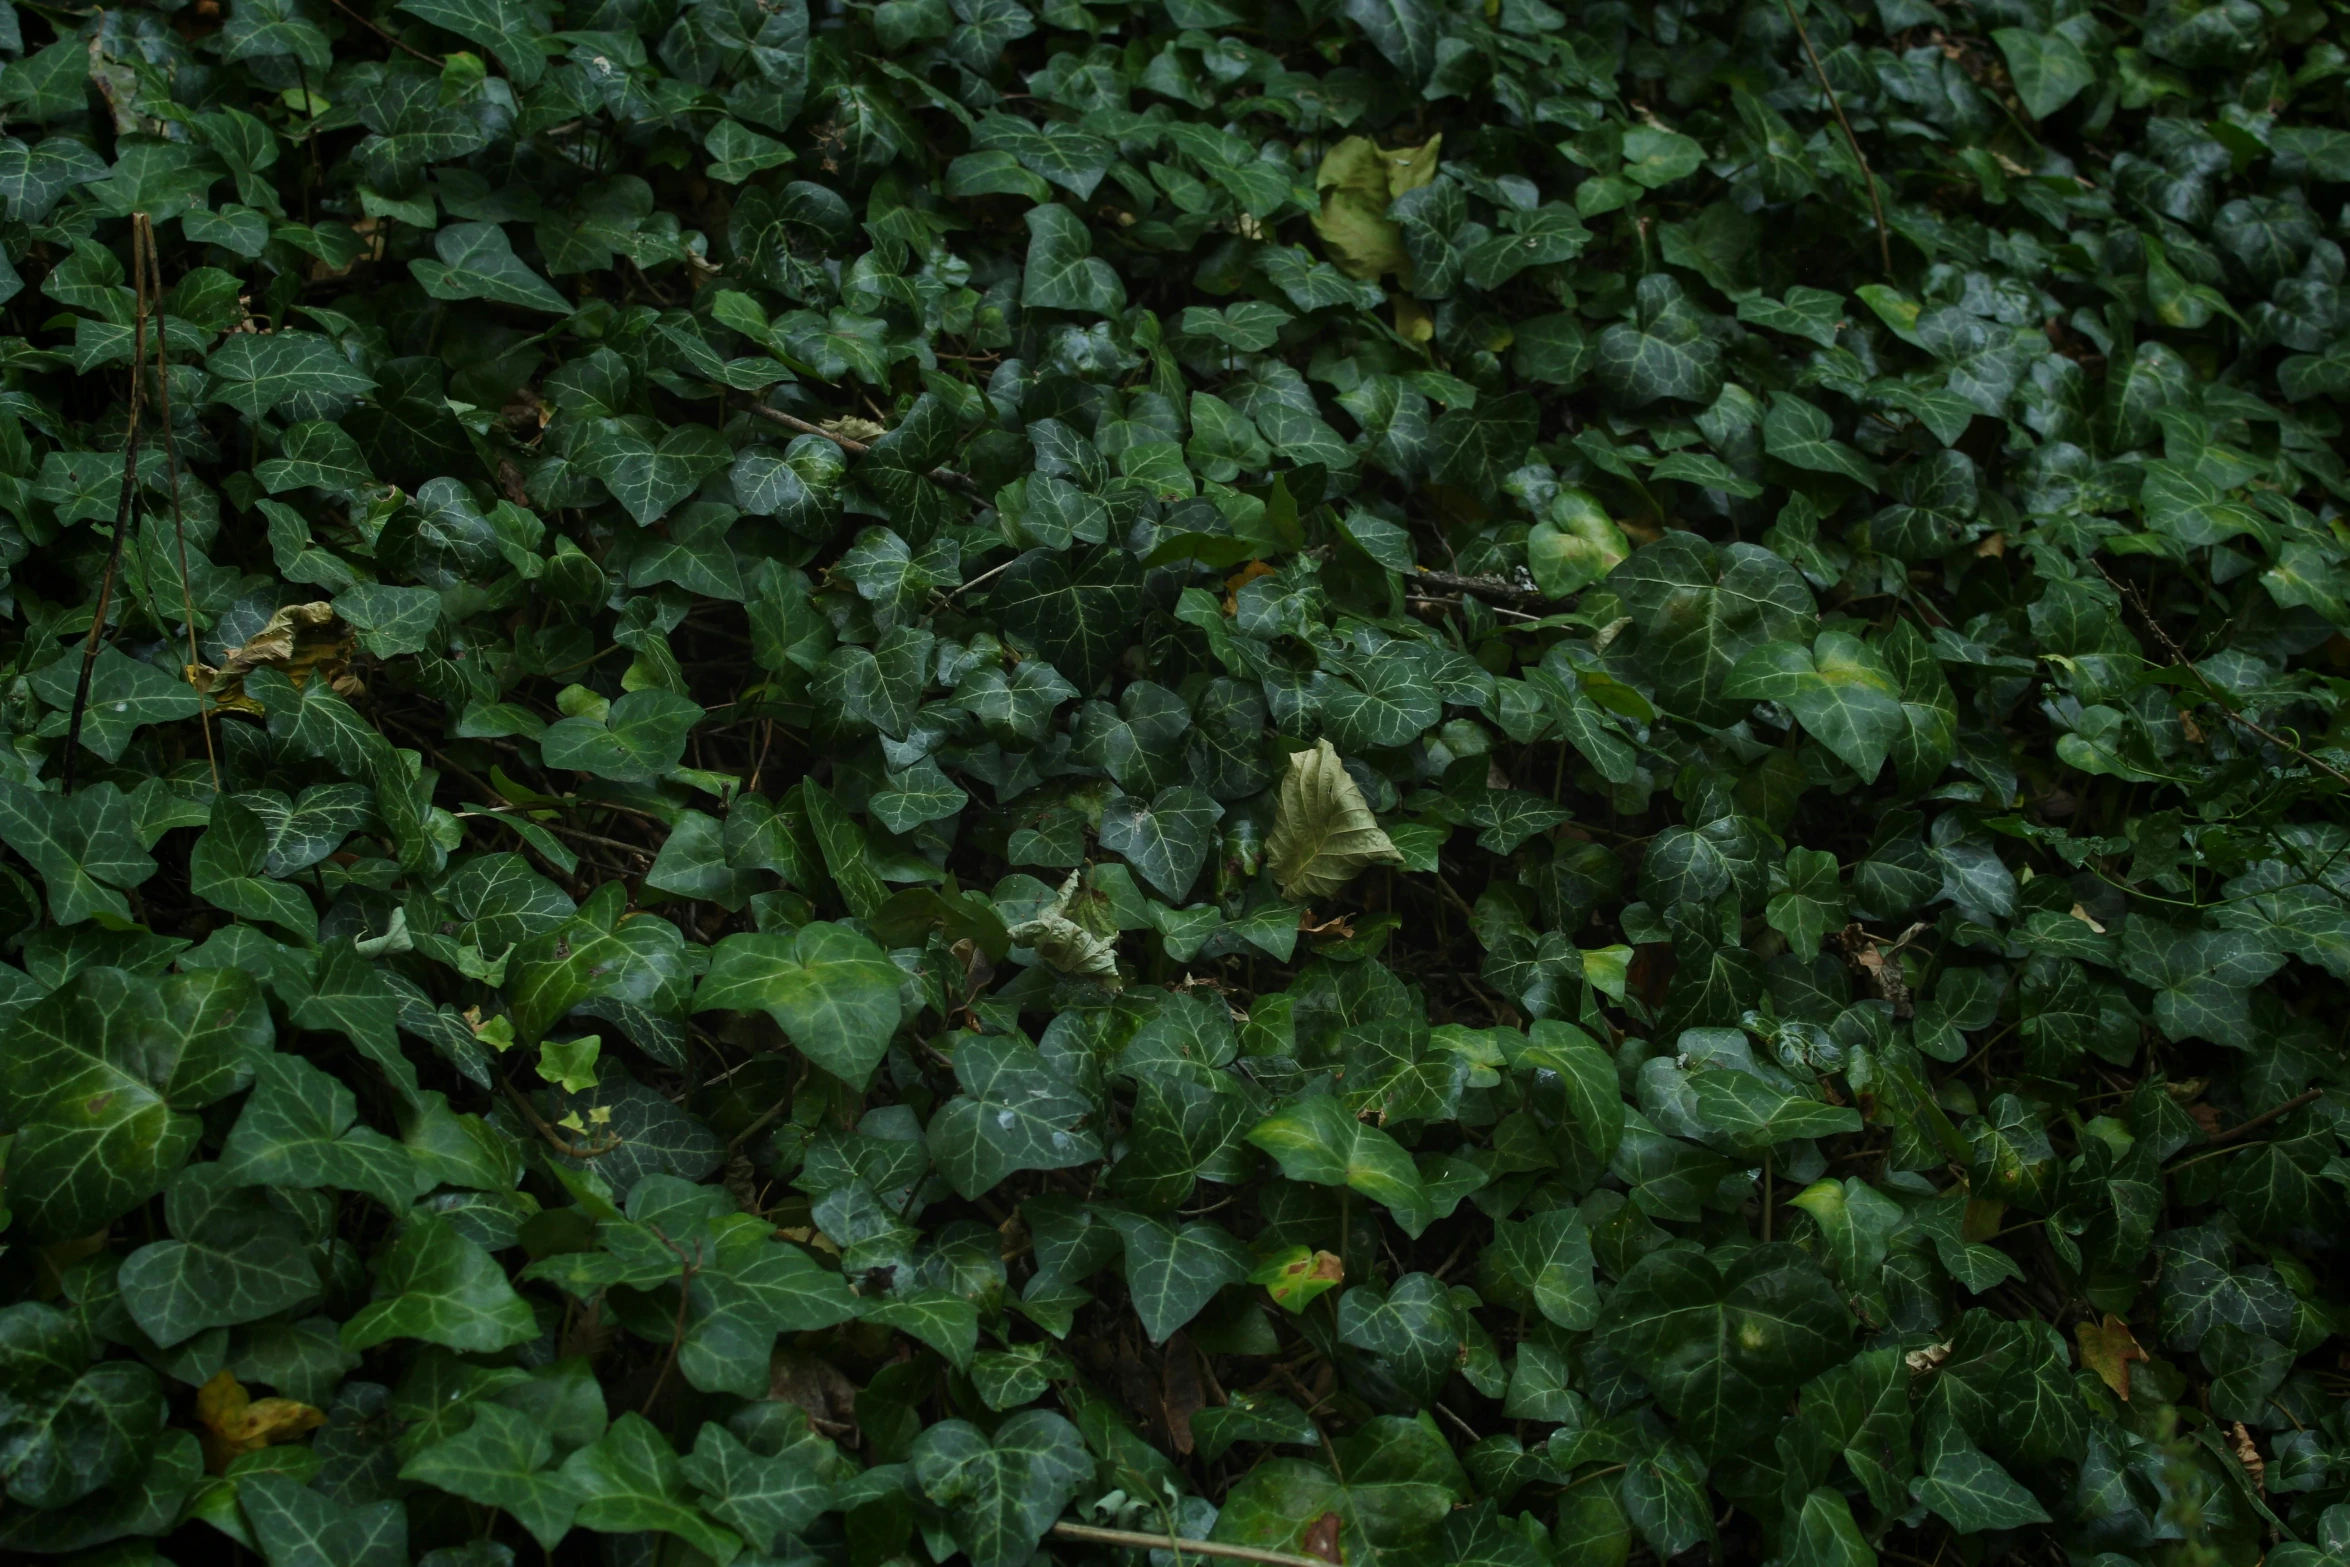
(1364, 783)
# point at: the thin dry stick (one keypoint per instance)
(143, 233)
(1136, 1540)
(2210, 691)
(2247, 1128)
(687, 1268)
(946, 476)
(126, 512)
(1876, 203)
(397, 43)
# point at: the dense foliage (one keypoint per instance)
(1408, 781)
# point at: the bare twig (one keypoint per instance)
(398, 43)
(687, 1267)
(1490, 589)
(2265, 1117)
(2211, 693)
(1876, 202)
(556, 1140)
(1136, 1540)
(946, 476)
(126, 512)
(143, 236)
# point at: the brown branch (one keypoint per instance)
(143, 237)
(1876, 203)
(555, 1140)
(398, 43)
(1487, 588)
(2211, 692)
(946, 476)
(1136, 1540)
(2265, 1117)
(687, 1268)
(126, 511)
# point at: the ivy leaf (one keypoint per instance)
(1172, 1273)
(296, 1526)
(641, 737)
(649, 478)
(1971, 1492)
(1013, 1114)
(1661, 351)
(1799, 434)
(631, 1482)
(1838, 689)
(502, 1460)
(763, 1495)
(503, 27)
(2201, 979)
(84, 845)
(234, 1259)
(477, 261)
(1402, 1483)
(257, 373)
(125, 696)
(833, 991)
(72, 1427)
(224, 869)
(434, 1284)
(105, 1074)
(1411, 1327)
(1718, 1347)
(2049, 69)
(1812, 903)
(299, 1129)
(1701, 608)
(1319, 1140)
(1402, 30)
(1079, 621)
(1324, 834)
(1165, 839)
(1062, 272)
(1001, 1496)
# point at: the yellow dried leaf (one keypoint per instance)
(301, 640)
(236, 1423)
(2107, 1348)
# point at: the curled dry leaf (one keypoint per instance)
(1324, 834)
